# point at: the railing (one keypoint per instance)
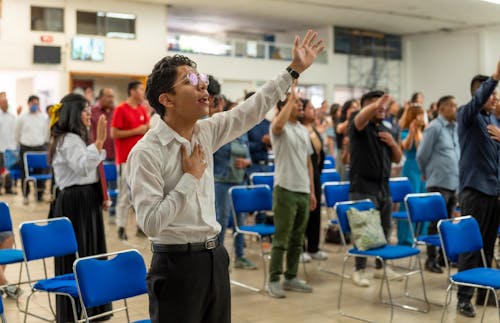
(234, 48)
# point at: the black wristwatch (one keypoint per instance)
(295, 75)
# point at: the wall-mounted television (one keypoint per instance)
(46, 54)
(87, 49)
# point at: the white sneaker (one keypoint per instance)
(360, 279)
(305, 257)
(320, 255)
(391, 274)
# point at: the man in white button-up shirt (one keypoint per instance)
(172, 184)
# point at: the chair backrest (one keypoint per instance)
(328, 164)
(250, 198)
(329, 175)
(460, 235)
(101, 280)
(5, 219)
(426, 207)
(331, 159)
(341, 209)
(35, 160)
(336, 192)
(399, 187)
(110, 171)
(48, 238)
(259, 178)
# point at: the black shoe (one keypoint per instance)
(466, 309)
(480, 299)
(432, 266)
(10, 192)
(121, 234)
(140, 233)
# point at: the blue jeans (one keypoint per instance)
(223, 211)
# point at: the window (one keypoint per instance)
(367, 43)
(47, 19)
(109, 24)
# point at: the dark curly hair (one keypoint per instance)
(162, 79)
(70, 120)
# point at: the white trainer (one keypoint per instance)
(320, 255)
(305, 257)
(360, 278)
(391, 274)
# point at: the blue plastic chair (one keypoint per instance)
(399, 187)
(335, 192)
(249, 199)
(111, 176)
(2, 314)
(388, 252)
(262, 178)
(423, 207)
(44, 239)
(462, 235)
(9, 256)
(101, 280)
(331, 161)
(329, 175)
(328, 164)
(32, 161)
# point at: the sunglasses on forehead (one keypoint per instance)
(193, 79)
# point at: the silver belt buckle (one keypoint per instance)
(211, 243)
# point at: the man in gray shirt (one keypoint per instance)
(437, 157)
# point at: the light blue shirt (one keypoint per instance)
(438, 154)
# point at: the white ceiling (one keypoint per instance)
(268, 16)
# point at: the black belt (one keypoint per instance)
(196, 246)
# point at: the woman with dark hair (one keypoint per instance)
(317, 160)
(75, 163)
(341, 129)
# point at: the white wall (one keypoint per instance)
(444, 63)
(121, 56)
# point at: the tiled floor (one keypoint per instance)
(247, 306)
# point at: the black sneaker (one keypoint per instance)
(121, 234)
(433, 266)
(466, 309)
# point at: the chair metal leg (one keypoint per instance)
(243, 285)
(446, 301)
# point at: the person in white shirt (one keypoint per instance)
(75, 163)
(172, 184)
(7, 141)
(32, 133)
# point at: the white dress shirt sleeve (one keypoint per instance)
(82, 159)
(227, 126)
(155, 210)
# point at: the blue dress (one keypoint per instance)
(410, 170)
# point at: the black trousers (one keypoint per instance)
(485, 209)
(451, 203)
(313, 228)
(190, 287)
(383, 203)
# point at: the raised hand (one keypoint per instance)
(101, 132)
(304, 53)
(196, 163)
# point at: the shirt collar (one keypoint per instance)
(445, 122)
(166, 134)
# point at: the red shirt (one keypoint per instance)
(127, 118)
(95, 113)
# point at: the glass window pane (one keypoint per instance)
(86, 23)
(47, 19)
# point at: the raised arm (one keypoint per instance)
(281, 119)
(367, 113)
(468, 112)
(230, 125)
